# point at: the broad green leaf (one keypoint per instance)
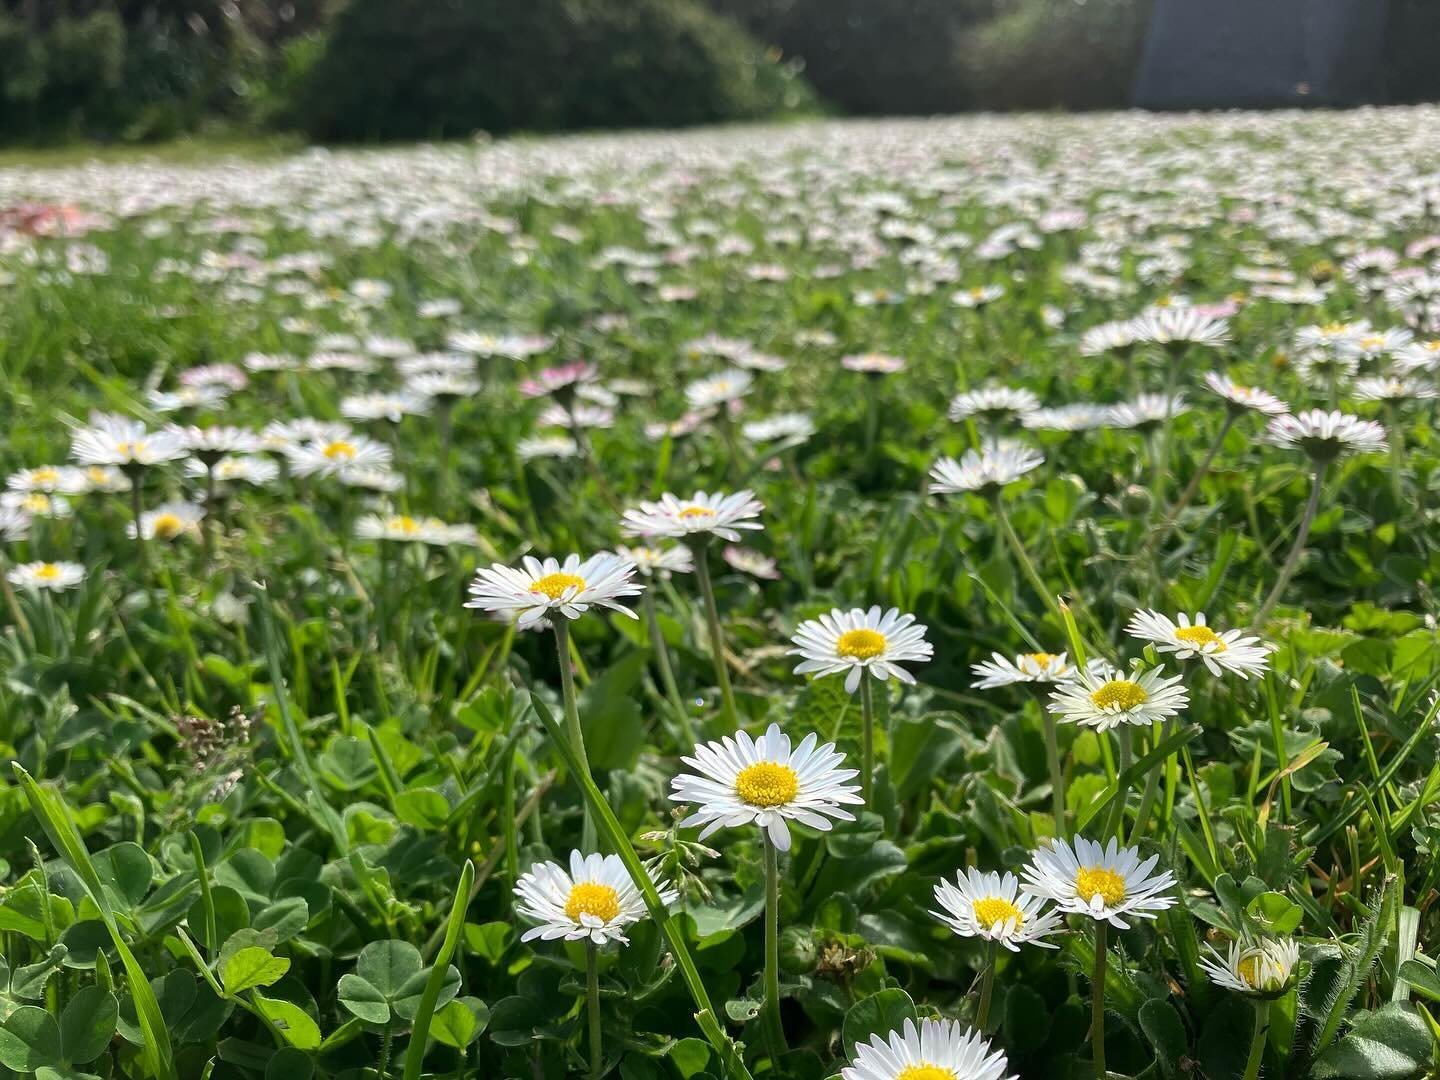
(30, 1038)
(878, 1014)
(251, 967)
(87, 1024)
(299, 1029)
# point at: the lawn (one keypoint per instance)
(699, 606)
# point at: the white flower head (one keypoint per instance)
(983, 472)
(407, 529)
(857, 641)
(595, 901)
(169, 521)
(1106, 883)
(719, 389)
(936, 1050)
(1103, 697)
(658, 561)
(1036, 667)
(539, 588)
(115, 440)
(993, 404)
(1188, 637)
(14, 523)
(991, 906)
(47, 576)
(743, 780)
(702, 513)
(1241, 398)
(1324, 436)
(1260, 967)
(332, 457)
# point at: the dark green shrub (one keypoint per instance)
(433, 68)
(1412, 43)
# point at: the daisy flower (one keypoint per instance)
(14, 523)
(1179, 328)
(571, 588)
(47, 576)
(547, 446)
(750, 562)
(209, 444)
(402, 527)
(333, 456)
(661, 562)
(169, 521)
(1240, 398)
(1035, 667)
(1226, 651)
(1080, 416)
(1147, 411)
(979, 296)
(763, 780)
(991, 906)
(937, 1050)
(983, 472)
(993, 404)
(48, 479)
(37, 504)
(1391, 388)
(855, 641)
(1106, 883)
(1262, 968)
(1108, 337)
(873, 363)
(717, 390)
(595, 901)
(561, 379)
(792, 427)
(701, 514)
(236, 469)
(1324, 436)
(1104, 698)
(445, 385)
(115, 440)
(382, 406)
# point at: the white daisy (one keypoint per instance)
(791, 427)
(115, 440)
(101, 478)
(1391, 388)
(719, 389)
(1147, 411)
(1104, 883)
(1324, 436)
(659, 562)
(1258, 967)
(169, 521)
(47, 576)
(382, 406)
(543, 446)
(37, 504)
(855, 641)
(402, 527)
(979, 296)
(570, 588)
(280, 434)
(991, 906)
(937, 1050)
(595, 901)
(1226, 651)
(236, 469)
(1103, 698)
(48, 479)
(993, 404)
(762, 780)
(443, 385)
(873, 363)
(210, 443)
(1036, 667)
(334, 456)
(983, 472)
(1241, 398)
(14, 524)
(749, 561)
(1108, 337)
(702, 513)
(1080, 416)
(1180, 327)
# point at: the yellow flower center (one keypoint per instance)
(1432, 346)
(340, 449)
(97, 475)
(592, 898)
(1372, 342)
(1249, 969)
(403, 524)
(767, 783)
(861, 644)
(1331, 329)
(1119, 693)
(924, 1071)
(992, 911)
(130, 448)
(1093, 881)
(555, 585)
(697, 512)
(1200, 637)
(45, 476)
(36, 503)
(1042, 659)
(47, 571)
(167, 526)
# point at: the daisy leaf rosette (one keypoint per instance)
(1107, 883)
(933, 1050)
(993, 907)
(857, 641)
(538, 588)
(594, 900)
(739, 780)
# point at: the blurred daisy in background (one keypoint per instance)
(749, 561)
(993, 405)
(983, 472)
(169, 521)
(332, 456)
(47, 576)
(129, 444)
(659, 562)
(1244, 398)
(699, 515)
(1324, 436)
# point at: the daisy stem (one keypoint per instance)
(12, 602)
(137, 507)
(774, 1031)
(717, 638)
(1152, 787)
(1287, 569)
(1397, 452)
(1097, 1003)
(1028, 567)
(872, 423)
(443, 408)
(1057, 775)
(1117, 808)
(867, 757)
(592, 1005)
(1257, 1040)
(207, 523)
(667, 674)
(572, 722)
(987, 986)
(1168, 525)
(1161, 447)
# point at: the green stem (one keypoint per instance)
(592, 1005)
(1257, 1040)
(17, 614)
(137, 507)
(1117, 808)
(774, 1031)
(1168, 526)
(1292, 560)
(1161, 448)
(717, 637)
(1057, 775)
(207, 523)
(572, 721)
(867, 757)
(1028, 567)
(987, 987)
(667, 674)
(382, 1067)
(1097, 1003)
(1397, 455)
(1152, 785)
